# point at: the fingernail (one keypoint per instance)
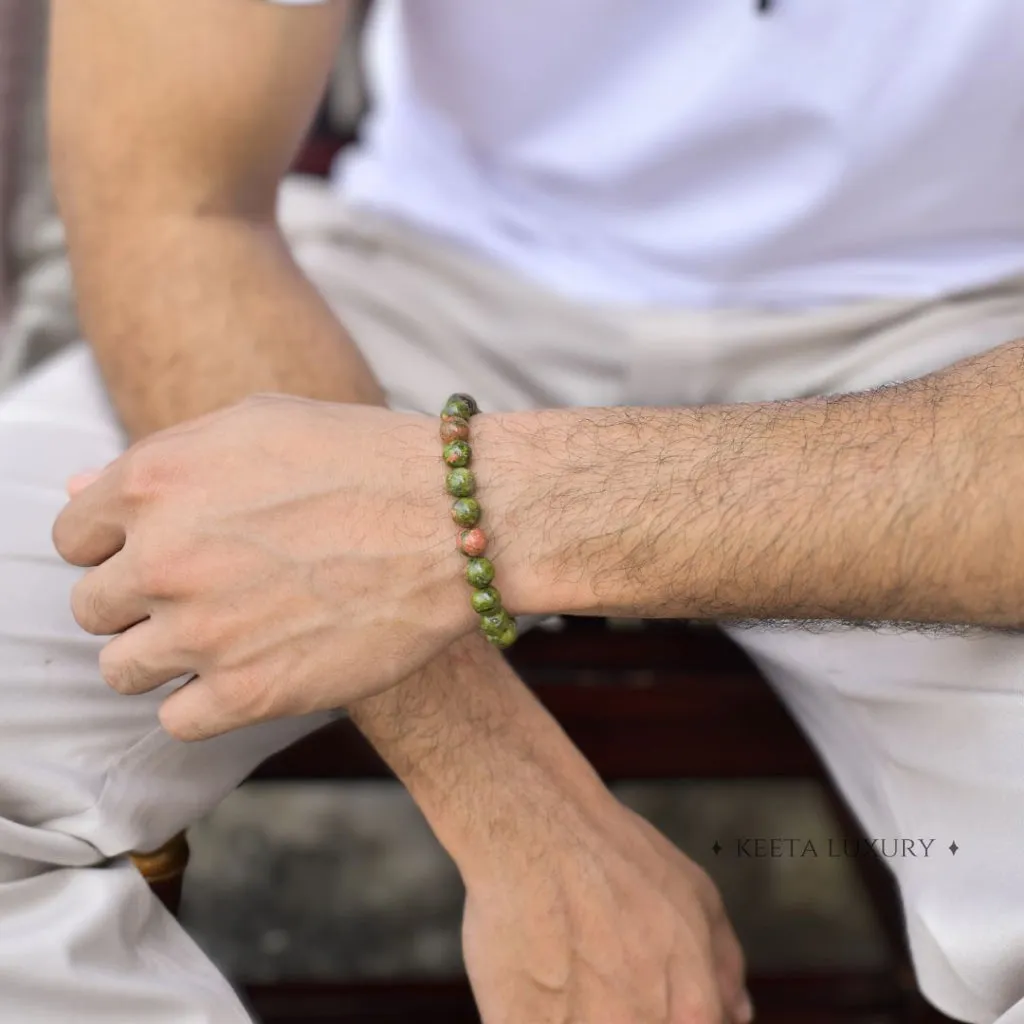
(80, 481)
(745, 1010)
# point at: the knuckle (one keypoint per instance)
(199, 634)
(181, 727)
(63, 537)
(88, 607)
(247, 699)
(140, 479)
(148, 471)
(119, 673)
(698, 1008)
(155, 572)
(242, 697)
(257, 701)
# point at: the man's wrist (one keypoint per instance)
(579, 501)
(520, 459)
(485, 763)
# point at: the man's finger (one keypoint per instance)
(745, 1009)
(196, 712)
(142, 658)
(106, 601)
(730, 965)
(91, 527)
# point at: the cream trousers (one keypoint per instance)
(923, 733)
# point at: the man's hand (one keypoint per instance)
(291, 554)
(577, 911)
(605, 922)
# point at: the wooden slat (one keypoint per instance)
(867, 998)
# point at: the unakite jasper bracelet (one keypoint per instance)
(495, 623)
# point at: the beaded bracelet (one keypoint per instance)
(495, 623)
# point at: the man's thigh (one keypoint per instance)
(923, 735)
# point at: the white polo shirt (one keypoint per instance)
(698, 153)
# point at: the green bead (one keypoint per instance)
(468, 400)
(507, 637)
(466, 511)
(458, 407)
(460, 483)
(457, 454)
(494, 624)
(456, 429)
(479, 572)
(485, 601)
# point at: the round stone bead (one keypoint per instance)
(495, 623)
(460, 483)
(486, 601)
(472, 542)
(457, 454)
(479, 572)
(466, 511)
(506, 638)
(457, 408)
(461, 396)
(456, 429)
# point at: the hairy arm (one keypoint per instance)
(901, 504)
(515, 768)
(171, 127)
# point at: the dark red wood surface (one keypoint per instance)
(815, 999)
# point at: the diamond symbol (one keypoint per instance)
(953, 847)
(717, 848)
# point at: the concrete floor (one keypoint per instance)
(328, 880)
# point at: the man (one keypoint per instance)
(699, 213)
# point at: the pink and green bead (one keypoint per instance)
(466, 511)
(506, 638)
(479, 573)
(457, 454)
(460, 483)
(486, 601)
(456, 429)
(459, 406)
(499, 627)
(472, 543)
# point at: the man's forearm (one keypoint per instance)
(901, 504)
(487, 765)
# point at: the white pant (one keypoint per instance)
(921, 732)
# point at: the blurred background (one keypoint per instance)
(326, 880)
